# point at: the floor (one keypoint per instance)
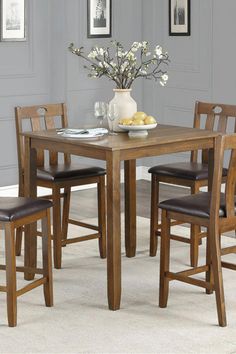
(84, 202)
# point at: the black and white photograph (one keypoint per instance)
(99, 18)
(13, 20)
(179, 17)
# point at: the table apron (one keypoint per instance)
(84, 151)
(168, 148)
(126, 154)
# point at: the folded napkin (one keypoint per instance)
(82, 133)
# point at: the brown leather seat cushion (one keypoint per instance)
(186, 170)
(194, 205)
(16, 208)
(62, 172)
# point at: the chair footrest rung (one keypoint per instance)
(228, 250)
(180, 238)
(176, 237)
(173, 223)
(80, 239)
(188, 280)
(228, 265)
(83, 224)
(25, 269)
(195, 270)
(31, 286)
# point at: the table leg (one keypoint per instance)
(113, 231)
(30, 258)
(130, 207)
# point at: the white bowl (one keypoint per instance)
(138, 130)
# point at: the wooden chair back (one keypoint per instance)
(40, 117)
(223, 143)
(215, 117)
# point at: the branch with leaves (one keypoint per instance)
(124, 66)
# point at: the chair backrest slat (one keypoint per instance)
(41, 117)
(223, 143)
(216, 118)
(231, 178)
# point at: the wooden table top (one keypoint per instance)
(162, 134)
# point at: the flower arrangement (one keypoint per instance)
(124, 66)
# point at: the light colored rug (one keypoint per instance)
(80, 321)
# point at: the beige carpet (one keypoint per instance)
(80, 321)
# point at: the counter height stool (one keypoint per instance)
(214, 210)
(14, 213)
(59, 176)
(192, 174)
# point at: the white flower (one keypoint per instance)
(144, 44)
(158, 51)
(148, 54)
(164, 77)
(101, 51)
(124, 66)
(143, 72)
(131, 56)
(162, 83)
(92, 54)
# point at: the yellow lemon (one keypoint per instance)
(138, 121)
(149, 120)
(126, 121)
(139, 115)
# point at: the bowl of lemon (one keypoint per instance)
(138, 125)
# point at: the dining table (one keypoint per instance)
(113, 149)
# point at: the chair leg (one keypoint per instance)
(66, 211)
(209, 274)
(47, 259)
(56, 227)
(154, 216)
(194, 238)
(19, 232)
(164, 259)
(217, 273)
(101, 198)
(11, 275)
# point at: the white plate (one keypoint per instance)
(138, 130)
(83, 133)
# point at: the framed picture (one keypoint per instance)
(179, 17)
(99, 18)
(13, 20)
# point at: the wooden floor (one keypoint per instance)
(84, 203)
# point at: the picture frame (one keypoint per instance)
(99, 18)
(13, 27)
(179, 17)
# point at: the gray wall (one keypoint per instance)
(202, 65)
(69, 81)
(41, 69)
(25, 80)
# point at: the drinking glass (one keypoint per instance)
(100, 111)
(112, 114)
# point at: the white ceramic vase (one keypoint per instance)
(126, 106)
